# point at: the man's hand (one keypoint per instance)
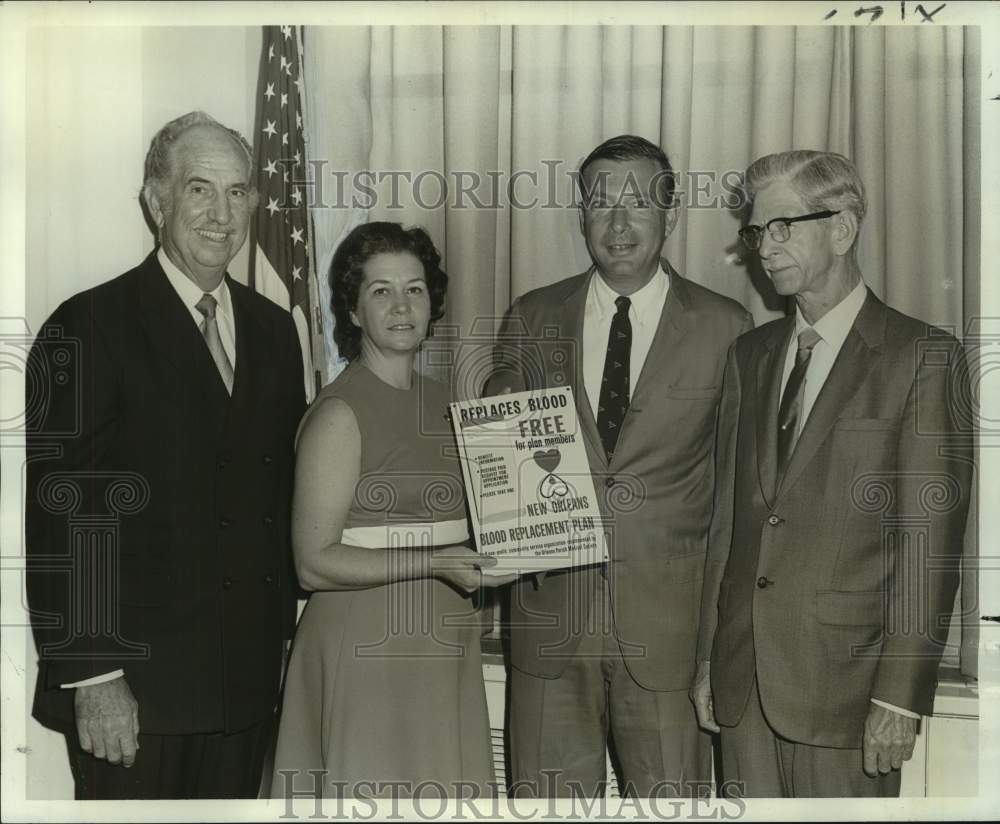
(107, 721)
(888, 741)
(700, 694)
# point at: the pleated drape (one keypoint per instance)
(477, 131)
(471, 108)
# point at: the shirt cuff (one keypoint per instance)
(894, 708)
(97, 679)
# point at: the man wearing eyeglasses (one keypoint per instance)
(845, 466)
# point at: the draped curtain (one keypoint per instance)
(485, 107)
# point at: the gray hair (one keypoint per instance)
(157, 168)
(824, 180)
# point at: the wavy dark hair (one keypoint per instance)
(632, 147)
(347, 274)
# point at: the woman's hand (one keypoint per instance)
(461, 567)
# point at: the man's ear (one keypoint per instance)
(579, 213)
(845, 230)
(154, 205)
(673, 213)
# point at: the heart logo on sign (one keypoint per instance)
(548, 460)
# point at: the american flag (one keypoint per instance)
(281, 260)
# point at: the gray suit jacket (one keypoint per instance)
(836, 585)
(656, 494)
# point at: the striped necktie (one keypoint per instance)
(791, 401)
(210, 331)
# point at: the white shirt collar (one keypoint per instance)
(647, 302)
(836, 324)
(189, 292)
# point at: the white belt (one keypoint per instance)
(407, 536)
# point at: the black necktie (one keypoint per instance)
(613, 402)
(791, 400)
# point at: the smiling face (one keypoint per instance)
(624, 223)
(203, 211)
(806, 264)
(394, 306)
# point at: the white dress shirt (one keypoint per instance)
(644, 315)
(832, 329)
(190, 293)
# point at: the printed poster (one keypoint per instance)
(528, 481)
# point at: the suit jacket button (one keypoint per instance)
(268, 520)
(774, 520)
(762, 582)
(227, 583)
(224, 522)
(268, 579)
(268, 459)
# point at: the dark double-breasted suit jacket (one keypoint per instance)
(157, 508)
(834, 585)
(655, 495)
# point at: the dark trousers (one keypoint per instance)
(759, 763)
(205, 765)
(559, 727)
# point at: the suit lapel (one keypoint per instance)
(770, 366)
(662, 363)
(861, 349)
(176, 339)
(249, 337)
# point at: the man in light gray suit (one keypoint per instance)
(599, 650)
(842, 497)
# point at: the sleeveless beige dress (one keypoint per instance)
(384, 691)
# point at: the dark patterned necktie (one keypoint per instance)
(613, 402)
(210, 331)
(791, 401)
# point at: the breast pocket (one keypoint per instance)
(693, 393)
(865, 424)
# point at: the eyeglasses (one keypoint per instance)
(779, 229)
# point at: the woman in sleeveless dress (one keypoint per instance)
(384, 692)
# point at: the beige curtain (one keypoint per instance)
(526, 104)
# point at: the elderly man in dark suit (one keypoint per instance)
(161, 649)
(610, 650)
(842, 497)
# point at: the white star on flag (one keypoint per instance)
(281, 268)
(298, 83)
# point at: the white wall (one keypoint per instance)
(95, 97)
